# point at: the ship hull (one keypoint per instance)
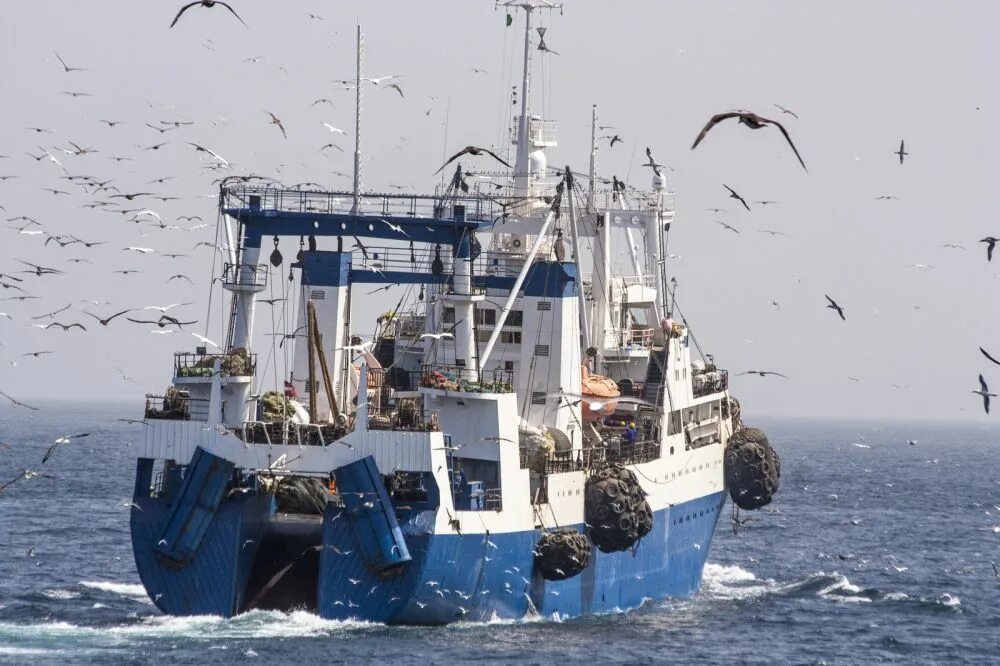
(451, 577)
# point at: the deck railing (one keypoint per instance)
(233, 364)
(460, 378)
(706, 383)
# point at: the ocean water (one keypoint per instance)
(875, 550)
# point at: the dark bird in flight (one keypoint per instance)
(64, 327)
(208, 4)
(62, 440)
(833, 306)
(734, 195)
(762, 373)
(40, 270)
(656, 166)
(130, 197)
(472, 150)
(991, 242)
(179, 277)
(986, 354)
(17, 403)
(277, 121)
(788, 111)
(67, 67)
(733, 229)
(396, 88)
(751, 120)
(612, 140)
(886, 197)
(902, 153)
(984, 391)
(36, 355)
(105, 322)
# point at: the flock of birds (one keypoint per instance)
(137, 206)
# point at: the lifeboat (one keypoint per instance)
(598, 396)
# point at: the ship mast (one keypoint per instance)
(522, 170)
(357, 128)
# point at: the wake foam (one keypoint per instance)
(123, 589)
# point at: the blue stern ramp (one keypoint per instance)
(372, 517)
(199, 498)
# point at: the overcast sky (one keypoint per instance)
(860, 75)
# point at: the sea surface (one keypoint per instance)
(875, 550)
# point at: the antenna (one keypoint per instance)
(521, 168)
(357, 128)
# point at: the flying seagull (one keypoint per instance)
(751, 120)
(990, 244)
(105, 322)
(17, 403)
(62, 440)
(653, 163)
(762, 373)
(986, 354)
(277, 121)
(734, 195)
(731, 228)
(214, 154)
(67, 67)
(833, 306)
(208, 4)
(788, 111)
(902, 153)
(472, 150)
(984, 391)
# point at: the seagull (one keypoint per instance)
(956, 246)
(207, 341)
(653, 163)
(984, 391)
(438, 336)
(64, 327)
(105, 322)
(364, 346)
(62, 440)
(211, 152)
(762, 373)
(164, 308)
(988, 356)
(207, 4)
(67, 67)
(612, 140)
(731, 228)
(323, 100)
(734, 195)
(751, 120)
(17, 403)
(833, 306)
(773, 233)
(396, 88)
(788, 111)
(336, 130)
(277, 121)
(472, 150)
(902, 153)
(394, 227)
(140, 250)
(990, 244)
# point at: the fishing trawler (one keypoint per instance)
(533, 434)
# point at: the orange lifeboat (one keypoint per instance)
(598, 396)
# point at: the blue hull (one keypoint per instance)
(477, 578)
(451, 577)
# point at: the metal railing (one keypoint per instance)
(636, 337)
(292, 434)
(253, 275)
(459, 378)
(407, 420)
(259, 198)
(176, 407)
(712, 381)
(233, 364)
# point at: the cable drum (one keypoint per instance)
(752, 469)
(562, 554)
(616, 509)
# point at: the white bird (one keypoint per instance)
(141, 250)
(379, 79)
(162, 331)
(164, 308)
(334, 129)
(860, 446)
(360, 347)
(437, 336)
(395, 227)
(207, 341)
(353, 581)
(51, 156)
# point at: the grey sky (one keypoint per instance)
(860, 75)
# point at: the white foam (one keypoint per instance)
(61, 594)
(949, 600)
(24, 652)
(732, 582)
(124, 589)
